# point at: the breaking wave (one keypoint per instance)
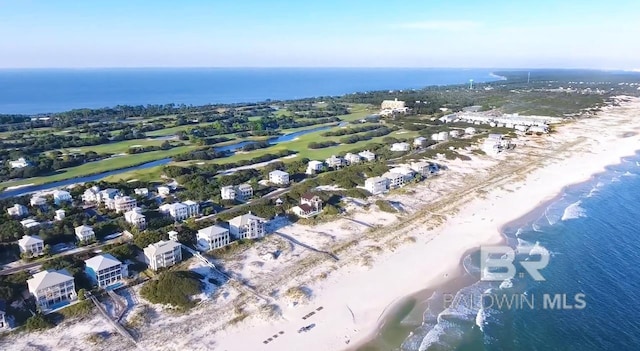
(574, 211)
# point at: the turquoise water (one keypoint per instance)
(591, 231)
(32, 91)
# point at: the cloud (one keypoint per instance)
(455, 25)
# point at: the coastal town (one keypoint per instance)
(126, 247)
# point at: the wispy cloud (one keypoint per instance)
(453, 25)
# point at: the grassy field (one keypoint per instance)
(116, 148)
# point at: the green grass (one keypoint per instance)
(115, 148)
(174, 130)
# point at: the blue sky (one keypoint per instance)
(328, 33)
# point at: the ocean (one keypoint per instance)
(587, 300)
(33, 91)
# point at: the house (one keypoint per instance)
(164, 190)
(279, 177)
(105, 270)
(247, 226)
(335, 161)
(60, 214)
(406, 172)
(400, 147)
(448, 118)
(18, 210)
(4, 323)
(422, 168)
(352, 158)
(228, 192)
(310, 205)
(470, 131)
(163, 254)
(367, 155)
(85, 233)
(443, 136)
(314, 167)
(52, 289)
(455, 133)
(539, 129)
(419, 141)
(521, 128)
(31, 245)
(180, 210)
(19, 163)
(193, 208)
(376, 185)
(29, 223)
(91, 195)
(108, 194)
(60, 196)
(121, 203)
(37, 201)
(392, 105)
(396, 180)
(493, 144)
(136, 218)
(141, 191)
(173, 235)
(213, 237)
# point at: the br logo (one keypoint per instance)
(496, 263)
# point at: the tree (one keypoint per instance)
(149, 237)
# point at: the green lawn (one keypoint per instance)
(117, 147)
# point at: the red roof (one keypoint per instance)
(309, 196)
(306, 208)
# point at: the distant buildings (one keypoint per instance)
(29, 223)
(180, 211)
(52, 289)
(163, 254)
(367, 155)
(396, 180)
(141, 191)
(400, 147)
(85, 233)
(494, 144)
(121, 203)
(105, 270)
(240, 192)
(136, 218)
(470, 131)
(91, 195)
(352, 158)
(19, 163)
(60, 196)
(247, 226)
(422, 168)
(60, 214)
(310, 205)
(454, 133)
(213, 237)
(37, 201)
(335, 162)
(389, 107)
(419, 141)
(376, 185)
(314, 167)
(164, 190)
(31, 245)
(18, 210)
(108, 194)
(279, 177)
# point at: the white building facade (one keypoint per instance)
(52, 289)
(163, 254)
(279, 177)
(213, 237)
(247, 226)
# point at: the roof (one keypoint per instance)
(245, 186)
(61, 193)
(392, 175)
(244, 219)
(133, 214)
(212, 231)
(46, 279)
(29, 240)
(82, 227)
(109, 190)
(161, 247)
(305, 207)
(278, 172)
(308, 196)
(420, 138)
(100, 262)
(189, 202)
(401, 170)
(375, 180)
(314, 162)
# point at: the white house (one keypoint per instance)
(108, 194)
(400, 147)
(163, 254)
(29, 223)
(136, 218)
(91, 195)
(396, 180)
(228, 192)
(52, 289)
(213, 237)
(279, 177)
(173, 235)
(422, 168)
(244, 192)
(443, 136)
(164, 190)
(19, 163)
(455, 133)
(180, 210)
(121, 203)
(141, 191)
(314, 167)
(539, 129)
(310, 205)
(105, 270)
(470, 130)
(85, 233)
(31, 245)
(37, 201)
(493, 144)
(60, 196)
(60, 214)
(367, 155)
(352, 158)
(392, 105)
(335, 161)
(376, 185)
(406, 172)
(193, 208)
(18, 210)
(247, 226)
(419, 141)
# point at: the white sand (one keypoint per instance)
(382, 256)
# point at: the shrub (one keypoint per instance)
(38, 322)
(385, 206)
(174, 288)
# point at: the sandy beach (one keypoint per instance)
(348, 272)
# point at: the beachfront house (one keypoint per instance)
(376, 185)
(60, 196)
(419, 141)
(52, 289)
(105, 270)
(396, 180)
(314, 167)
(335, 162)
(352, 158)
(18, 210)
(19, 163)
(60, 214)
(367, 155)
(422, 168)
(279, 177)
(85, 233)
(400, 147)
(164, 190)
(310, 205)
(213, 237)
(136, 218)
(163, 254)
(31, 245)
(247, 226)
(37, 200)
